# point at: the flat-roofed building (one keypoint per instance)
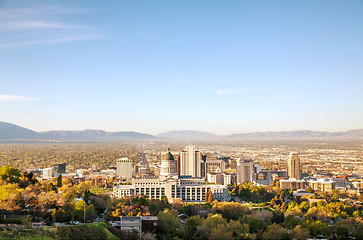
(219, 178)
(124, 168)
(292, 183)
(212, 166)
(293, 166)
(62, 167)
(244, 170)
(48, 173)
(129, 224)
(190, 162)
(322, 184)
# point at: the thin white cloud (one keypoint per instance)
(225, 92)
(41, 24)
(15, 98)
(28, 25)
(9, 46)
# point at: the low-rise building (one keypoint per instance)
(292, 183)
(322, 184)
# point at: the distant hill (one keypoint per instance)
(298, 135)
(94, 135)
(187, 134)
(12, 131)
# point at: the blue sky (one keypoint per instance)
(154, 66)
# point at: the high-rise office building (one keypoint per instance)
(244, 170)
(293, 166)
(124, 168)
(48, 173)
(190, 162)
(62, 167)
(203, 173)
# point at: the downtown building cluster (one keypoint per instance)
(180, 178)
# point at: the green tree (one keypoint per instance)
(316, 228)
(300, 233)
(202, 233)
(219, 232)
(59, 181)
(255, 224)
(9, 174)
(237, 229)
(290, 222)
(278, 217)
(213, 221)
(191, 225)
(231, 210)
(27, 179)
(167, 223)
(275, 232)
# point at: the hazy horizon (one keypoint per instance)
(153, 67)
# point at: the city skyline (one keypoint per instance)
(154, 67)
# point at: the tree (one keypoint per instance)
(202, 233)
(231, 210)
(316, 228)
(48, 200)
(275, 232)
(213, 221)
(9, 174)
(290, 222)
(10, 197)
(59, 181)
(343, 227)
(300, 233)
(209, 197)
(27, 179)
(167, 223)
(68, 191)
(237, 229)
(191, 225)
(278, 217)
(304, 206)
(219, 232)
(255, 224)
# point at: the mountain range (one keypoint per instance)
(11, 131)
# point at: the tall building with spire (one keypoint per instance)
(293, 166)
(190, 162)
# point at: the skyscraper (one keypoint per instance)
(244, 170)
(62, 167)
(190, 162)
(124, 168)
(293, 166)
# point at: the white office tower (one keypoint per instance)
(244, 170)
(190, 162)
(293, 166)
(168, 166)
(48, 173)
(124, 168)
